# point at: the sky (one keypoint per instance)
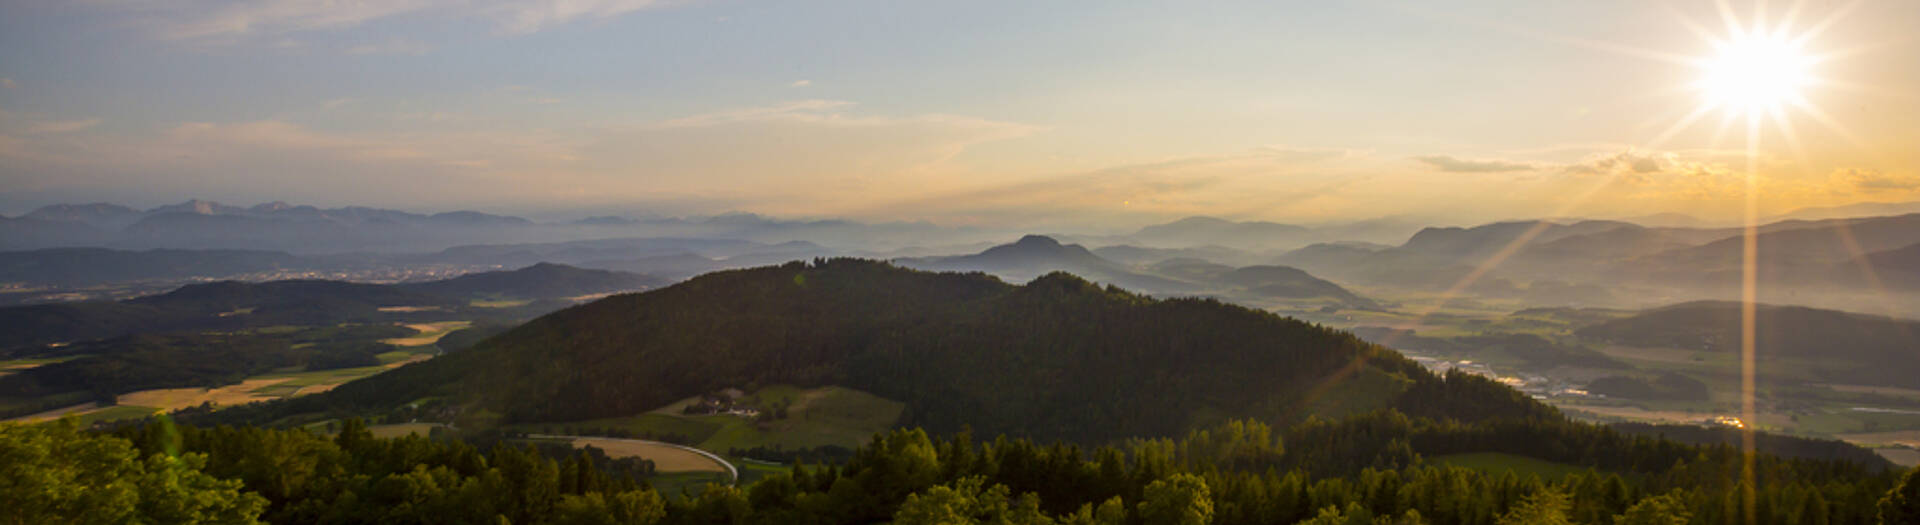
(1051, 113)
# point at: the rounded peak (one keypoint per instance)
(1201, 219)
(1036, 240)
(1059, 280)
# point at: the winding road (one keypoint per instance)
(732, 472)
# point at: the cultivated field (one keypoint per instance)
(665, 458)
(1909, 438)
(171, 399)
(430, 333)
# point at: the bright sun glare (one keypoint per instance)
(1755, 73)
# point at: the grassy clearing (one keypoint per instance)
(1495, 462)
(23, 364)
(58, 412)
(1371, 389)
(816, 417)
(116, 413)
(819, 417)
(278, 390)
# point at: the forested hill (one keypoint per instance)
(540, 281)
(1056, 358)
(1850, 347)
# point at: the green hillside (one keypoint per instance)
(1058, 357)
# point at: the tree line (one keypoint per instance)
(1236, 473)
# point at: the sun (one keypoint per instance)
(1755, 73)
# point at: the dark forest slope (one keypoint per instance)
(1058, 357)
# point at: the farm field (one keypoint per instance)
(1899, 456)
(665, 458)
(274, 385)
(170, 399)
(430, 333)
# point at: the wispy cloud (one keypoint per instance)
(519, 17)
(396, 46)
(1873, 181)
(62, 126)
(801, 83)
(188, 20)
(1458, 165)
(1294, 153)
(7, 83)
(1627, 162)
(811, 108)
(786, 157)
(225, 20)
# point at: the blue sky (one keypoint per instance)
(974, 112)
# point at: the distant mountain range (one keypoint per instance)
(1858, 209)
(1560, 262)
(233, 304)
(1819, 255)
(302, 229)
(1036, 255)
(1202, 232)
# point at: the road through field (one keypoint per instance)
(732, 472)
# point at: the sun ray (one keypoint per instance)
(1598, 45)
(1864, 89)
(1814, 31)
(1681, 125)
(1791, 17)
(1726, 122)
(1780, 122)
(1698, 29)
(1749, 305)
(1831, 123)
(1855, 50)
(1732, 21)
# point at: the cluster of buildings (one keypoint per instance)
(727, 401)
(1536, 385)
